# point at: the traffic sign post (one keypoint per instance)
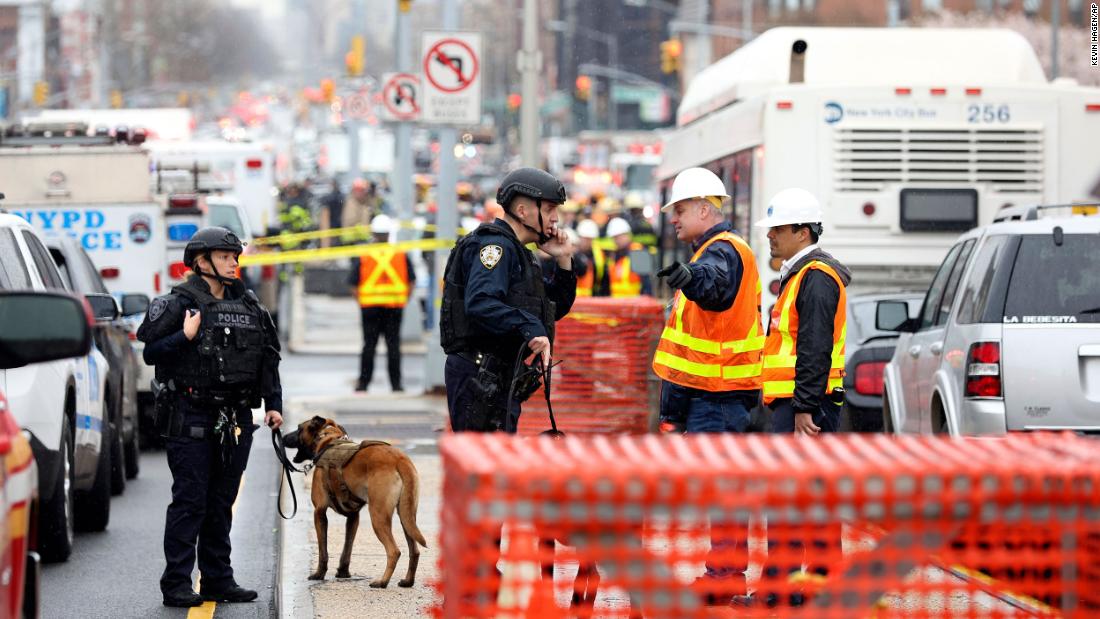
(401, 95)
(451, 65)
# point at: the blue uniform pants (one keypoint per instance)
(200, 515)
(458, 373)
(705, 412)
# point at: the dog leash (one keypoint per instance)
(288, 467)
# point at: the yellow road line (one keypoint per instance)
(206, 611)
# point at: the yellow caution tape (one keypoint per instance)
(593, 319)
(345, 251)
(361, 232)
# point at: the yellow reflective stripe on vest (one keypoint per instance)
(677, 335)
(706, 370)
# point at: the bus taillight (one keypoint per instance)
(869, 208)
(903, 91)
(974, 92)
(784, 105)
(937, 92)
(1092, 107)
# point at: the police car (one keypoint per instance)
(60, 404)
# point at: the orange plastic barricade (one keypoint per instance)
(605, 380)
(932, 527)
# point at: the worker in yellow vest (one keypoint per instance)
(382, 280)
(803, 367)
(589, 262)
(709, 354)
(623, 281)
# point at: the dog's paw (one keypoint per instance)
(343, 573)
(379, 584)
(406, 582)
(317, 576)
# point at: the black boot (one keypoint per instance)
(183, 597)
(234, 593)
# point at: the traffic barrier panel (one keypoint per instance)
(932, 527)
(604, 383)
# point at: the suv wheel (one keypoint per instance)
(118, 461)
(55, 530)
(93, 507)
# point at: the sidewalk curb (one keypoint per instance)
(293, 596)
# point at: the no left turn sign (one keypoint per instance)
(401, 95)
(452, 77)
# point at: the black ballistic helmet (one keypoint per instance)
(209, 239)
(533, 183)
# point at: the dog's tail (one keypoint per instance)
(408, 501)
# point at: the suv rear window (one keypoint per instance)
(1054, 284)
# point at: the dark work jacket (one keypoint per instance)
(716, 275)
(495, 326)
(817, 305)
(174, 356)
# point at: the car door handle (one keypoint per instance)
(936, 348)
(914, 351)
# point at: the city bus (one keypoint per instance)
(907, 136)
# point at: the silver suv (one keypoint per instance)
(1008, 337)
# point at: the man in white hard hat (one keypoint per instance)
(382, 280)
(622, 280)
(803, 365)
(589, 262)
(709, 355)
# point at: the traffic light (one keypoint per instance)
(355, 59)
(404, 5)
(514, 101)
(116, 99)
(584, 87)
(328, 90)
(670, 55)
(41, 93)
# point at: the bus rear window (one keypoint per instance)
(1055, 283)
(936, 210)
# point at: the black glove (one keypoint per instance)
(679, 275)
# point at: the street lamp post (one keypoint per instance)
(612, 44)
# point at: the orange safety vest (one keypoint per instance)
(383, 279)
(624, 281)
(586, 285)
(715, 351)
(781, 348)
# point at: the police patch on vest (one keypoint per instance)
(490, 255)
(156, 310)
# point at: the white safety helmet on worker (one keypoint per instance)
(791, 206)
(696, 183)
(381, 224)
(617, 226)
(588, 229)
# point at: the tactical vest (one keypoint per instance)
(458, 333)
(230, 350)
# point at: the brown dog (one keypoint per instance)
(349, 475)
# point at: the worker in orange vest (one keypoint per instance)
(589, 261)
(382, 280)
(709, 354)
(622, 280)
(803, 374)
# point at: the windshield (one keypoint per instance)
(639, 176)
(226, 216)
(1054, 283)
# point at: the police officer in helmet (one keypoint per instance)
(498, 309)
(216, 354)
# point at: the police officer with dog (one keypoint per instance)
(498, 310)
(216, 354)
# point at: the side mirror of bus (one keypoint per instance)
(893, 316)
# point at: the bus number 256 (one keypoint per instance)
(987, 113)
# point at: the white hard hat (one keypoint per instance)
(381, 224)
(588, 229)
(695, 183)
(791, 206)
(617, 226)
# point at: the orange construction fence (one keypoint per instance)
(605, 383)
(838, 526)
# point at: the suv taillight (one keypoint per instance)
(983, 370)
(869, 377)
